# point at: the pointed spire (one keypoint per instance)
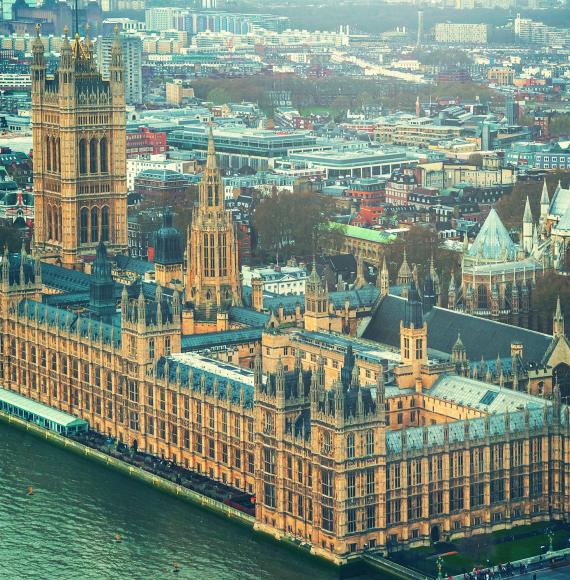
(383, 279)
(558, 320)
(527, 217)
(355, 378)
(452, 281)
(544, 199)
(404, 273)
(211, 161)
(360, 278)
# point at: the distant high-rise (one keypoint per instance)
(132, 59)
(512, 111)
(420, 28)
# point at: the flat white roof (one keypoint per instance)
(215, 367)
(39, 409)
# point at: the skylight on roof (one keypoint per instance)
(488, 397)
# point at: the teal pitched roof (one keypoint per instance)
(564, 223)
(475, 429)
(560, 201)
(493, 241)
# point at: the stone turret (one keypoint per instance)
(404, 273)
(527, 228)
(558, 320)
(383, 280)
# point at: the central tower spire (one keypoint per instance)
(212, 280)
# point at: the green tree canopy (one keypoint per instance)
(291, 223)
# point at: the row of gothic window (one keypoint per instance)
(93, 156)
(53, 154)
(94, 225)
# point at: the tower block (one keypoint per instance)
(79, 143)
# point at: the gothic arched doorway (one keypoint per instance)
(434, 535)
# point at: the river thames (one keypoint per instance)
(67, 528)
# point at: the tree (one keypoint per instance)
(421, 244)
(219, 96)
(291, 223)
(476, 159)
(546, 292)
(10, 237)
(511, 206)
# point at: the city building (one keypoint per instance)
(455, 33)
(416, 131)
(240, 147)
(164, 187)
(79, 135)
(143, 141)
(178, 92)
(361, 163)
(281, 280)
(131, 46)
(501, 75)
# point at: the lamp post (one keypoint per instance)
(439, 565)
(550, 535)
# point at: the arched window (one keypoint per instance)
(54, 218)
(104, 155)
(482, 301)
(105, 224)
(509, 294)
(49, 223)
(370, 443)
(82, 156)
(54, 154)
(84, 231)
(350, 446)
(48, 154)
(95, 224)
(93, 151)
(58, 150)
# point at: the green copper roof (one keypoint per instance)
(368, 234)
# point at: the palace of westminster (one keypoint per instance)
(358, 418)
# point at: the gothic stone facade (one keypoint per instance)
(323, 463)
(79, 154)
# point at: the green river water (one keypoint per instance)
(66, 529)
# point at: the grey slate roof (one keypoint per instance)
(192, 342)
(140, 267)
(481, 396)
(84, 326)
(482, 338)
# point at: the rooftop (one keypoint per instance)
(40, 409)
(483, 338)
